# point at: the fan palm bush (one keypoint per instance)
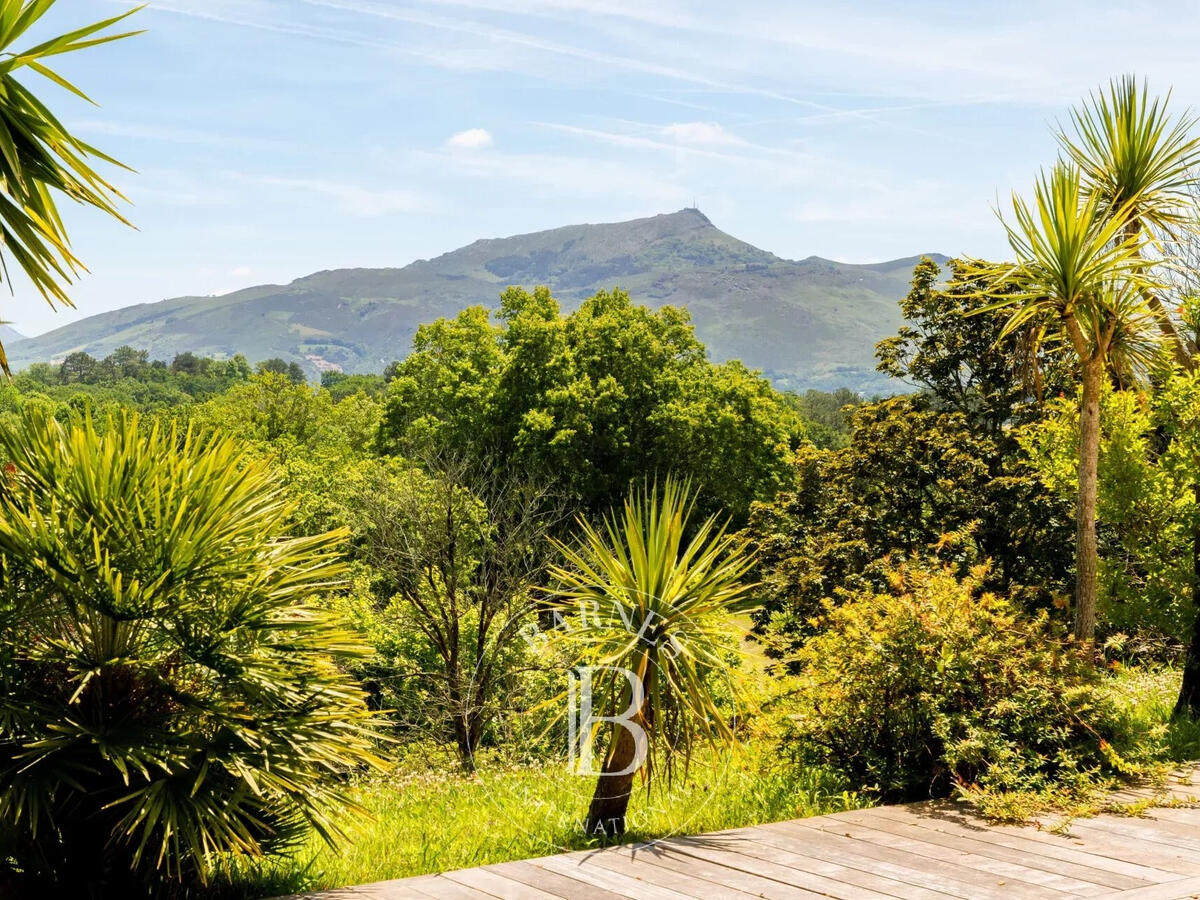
(168, 689)
(653, 595)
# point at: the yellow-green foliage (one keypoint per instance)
(932, 684)
(168, 691)
(1146, 507)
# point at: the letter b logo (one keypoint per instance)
(582, 723)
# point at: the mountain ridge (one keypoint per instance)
(809, 322)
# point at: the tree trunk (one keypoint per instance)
(463, 739)
(606, 814)
(1086, 554)
(1188, 703)
(463, 743)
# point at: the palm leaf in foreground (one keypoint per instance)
(39, 157)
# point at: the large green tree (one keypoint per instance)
(593, 400)
(917, 467)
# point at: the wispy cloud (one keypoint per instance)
(354, 199)
(471, 139)
(703, 133)
(646, 65)
(173, 135)
(560, 178)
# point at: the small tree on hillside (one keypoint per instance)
(455, 550)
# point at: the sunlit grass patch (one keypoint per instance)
(440, 819)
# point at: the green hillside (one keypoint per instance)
(809, 322)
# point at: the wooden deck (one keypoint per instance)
(925, 851)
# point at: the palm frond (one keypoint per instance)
(40, 158)
(1075, 263)
(167, 675)
(1136, 159)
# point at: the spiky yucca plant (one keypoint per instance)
(168, 689)
(653, 596)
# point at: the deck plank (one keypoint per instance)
(1143, 828)
(552, 882)
(920, 845)
(1041, 843)
(759, 878)
(1083, 881)
(890, 863)
(442, 887)
(790, 871)
(498, 885)
(691, 882)
(618, 882)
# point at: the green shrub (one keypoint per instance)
(932, 685)
(168, 694)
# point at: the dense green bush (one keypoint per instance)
(933, 684)
(168, 694)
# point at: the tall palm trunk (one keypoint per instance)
(1086, 553)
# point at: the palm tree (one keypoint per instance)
(1080, 274)
(657, 603)
(169, 687)
(1144, 166)
(39, 157)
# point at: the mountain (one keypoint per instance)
(807, 323)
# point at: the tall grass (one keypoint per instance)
(439, 819)
(1146, 696)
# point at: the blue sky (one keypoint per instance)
(273, 138)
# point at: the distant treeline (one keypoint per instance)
(129, 376)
